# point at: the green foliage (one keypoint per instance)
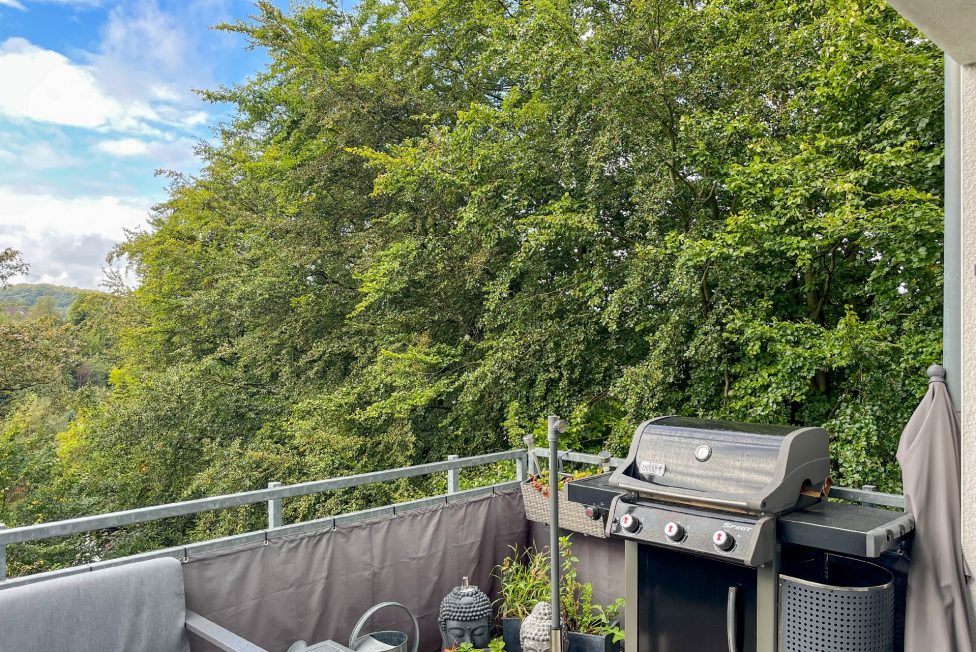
(23, 297)
(11, 264)
(525, 582)
(524, 578)
(495, 645)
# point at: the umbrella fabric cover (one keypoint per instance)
(936, 612)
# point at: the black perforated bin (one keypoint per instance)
(837, 604)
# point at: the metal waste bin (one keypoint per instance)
(837, 604)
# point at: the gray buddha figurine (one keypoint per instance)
(465, 617)
(537, 629)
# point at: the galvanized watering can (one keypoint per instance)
(388, 641)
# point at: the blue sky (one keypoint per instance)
(95, 96)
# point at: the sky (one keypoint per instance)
(95, 96)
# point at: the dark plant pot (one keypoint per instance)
(510, 634)
(577, 642)
(592, 643)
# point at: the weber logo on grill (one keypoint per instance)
(651, 468)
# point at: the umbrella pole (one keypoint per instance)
(556, 426)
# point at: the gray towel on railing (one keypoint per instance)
(936, 615)
(137, 607)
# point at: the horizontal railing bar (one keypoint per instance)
(229, 541)
(482, 491)
(157, 512)
(325, 523)
(870, 497)
(583, 458)
(235, 540)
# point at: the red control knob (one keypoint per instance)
(630, 523)
(674, 531)
(723, 540)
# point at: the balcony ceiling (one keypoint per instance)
(951, 24)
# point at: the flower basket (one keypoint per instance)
(572, 516)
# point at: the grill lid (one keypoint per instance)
(737, 466)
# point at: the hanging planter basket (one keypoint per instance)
(572, 516)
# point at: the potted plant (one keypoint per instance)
(525, 582)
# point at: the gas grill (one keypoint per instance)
(706, 510)
(715, 489)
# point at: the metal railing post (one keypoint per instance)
(453, 476)
(873, 489)
(275, 518)
(3, 557)
(521, 471)
(533, 456)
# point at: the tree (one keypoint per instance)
(606, 210)
(11, 264)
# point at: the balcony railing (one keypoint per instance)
(276, 492)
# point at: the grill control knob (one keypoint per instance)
(723, 540)
(593, 513)
(630, 523)
(674, 531)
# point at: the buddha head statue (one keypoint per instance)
(536, 629)
(465, 617)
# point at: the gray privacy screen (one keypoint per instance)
(315, 586)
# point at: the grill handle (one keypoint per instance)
(731, 618)
(649, 488)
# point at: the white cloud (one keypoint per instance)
(65, 240)
(123, 147)
(170, 154)
(126, 87)
(196, 118)
(138, 38)
(43, 85)
(12, 3)
(37, 213)
(122, 108)
(42, 156)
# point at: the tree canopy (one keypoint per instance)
(432, 222)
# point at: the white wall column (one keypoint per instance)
(966, 394)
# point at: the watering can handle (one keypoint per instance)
(372, 610)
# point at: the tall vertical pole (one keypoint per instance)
(952, 239)
(556, 426)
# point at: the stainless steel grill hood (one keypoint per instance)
(725, 465)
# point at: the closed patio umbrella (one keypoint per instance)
(936, 611)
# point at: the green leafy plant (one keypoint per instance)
(541, 482)
(525, 582)
(496, 645)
